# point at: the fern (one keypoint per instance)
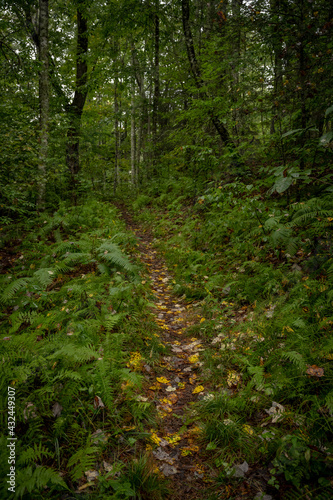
(103, 269)
(78, 258)
(296, 358)
(35, 453)
(111, 320)
(68, 246)
(67, 375)
(312, 210)
(45, 276)
(20, 317)
(31, 480)
(74, 353)
(83, 460)
(105, 383)
(13, 288)
(112, 255)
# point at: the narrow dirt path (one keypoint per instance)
(177, 383)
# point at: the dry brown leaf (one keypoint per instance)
(315, 371)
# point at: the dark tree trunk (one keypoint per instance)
(75, 109)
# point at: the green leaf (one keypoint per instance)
(292, 132)
(283, 184)
(211, 446)
(329, 110)
(326, 138)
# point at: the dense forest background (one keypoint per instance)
(211, 122)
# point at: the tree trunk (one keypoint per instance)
(133, 166)
(156, 81)
(117, 140)
(278, 68)
(195, 69)
(139, 76)
(236, 40)
(44, 98)
(75, 109)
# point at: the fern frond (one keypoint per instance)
(67, 374)
(133, 379)
(82, 245)
(35, 453)
(103, 268)
(45, 276)
(112, 254)
(312, 210)
(74, 353)
(78, 258)
(294, 357)
(29, 480)
(83, 460)
(111, 320)
(13, 288)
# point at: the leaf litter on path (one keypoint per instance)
(172, 444)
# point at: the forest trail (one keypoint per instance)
(176, 382)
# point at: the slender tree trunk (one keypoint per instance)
(156, 81)
(133, 166)
(117, 138)
(149, 138)
(138, 150)
(195, 69)
(44, 98)
(302, 79)
(236, 41)
(278, 69)
(75, 109)
(139, 76)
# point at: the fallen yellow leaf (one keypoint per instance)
(154, 437)
(155, 387)
(198, 389)
(233, 378)
(248, 429)
(162, 380)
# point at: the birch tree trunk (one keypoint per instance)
(44, 98)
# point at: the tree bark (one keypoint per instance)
(278, 67)
(117, 139)
(195, 69)
(75, 109)
(139, 77)
(44, 98)
(133, 165)
(156, 80)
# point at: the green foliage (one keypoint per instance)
(263, 273)
(69, 345)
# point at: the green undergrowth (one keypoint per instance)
(74, 332)
(263, 273)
